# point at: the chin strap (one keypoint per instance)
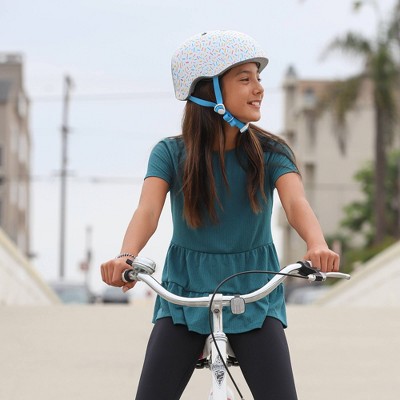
(219, 107)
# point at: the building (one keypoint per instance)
(328, 154)
(14, 152)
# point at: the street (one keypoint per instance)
(96, 352)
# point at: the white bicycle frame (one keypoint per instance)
(220, 389)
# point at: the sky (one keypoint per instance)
(117, 54)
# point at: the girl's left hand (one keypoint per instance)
(323, 258)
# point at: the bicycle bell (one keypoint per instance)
(143, 264)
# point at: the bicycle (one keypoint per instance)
(217, 354)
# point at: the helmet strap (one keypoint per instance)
(219, 107)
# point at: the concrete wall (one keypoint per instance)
(374, 284)
(20, 284)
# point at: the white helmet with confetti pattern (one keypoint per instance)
(210, 54)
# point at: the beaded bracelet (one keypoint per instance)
(125, 255)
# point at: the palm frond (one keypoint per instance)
(357, 5)
(352, 44)
(340, 97)
(394, 24)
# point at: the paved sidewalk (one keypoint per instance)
(96, 352)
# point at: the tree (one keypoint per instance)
(381, 68)
(394, 25)
(359, 216)
(359, 220)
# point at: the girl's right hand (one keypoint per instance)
(111, 273)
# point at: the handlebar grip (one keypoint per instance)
(338, 275)
(128, 276)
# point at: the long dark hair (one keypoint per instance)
(203, 134)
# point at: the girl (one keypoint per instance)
(221, 174)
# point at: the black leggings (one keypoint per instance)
(173, 351)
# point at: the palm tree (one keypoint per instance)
(381, 68)
(394, 26)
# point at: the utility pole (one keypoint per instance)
(64, 172)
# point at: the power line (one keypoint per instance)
(105, 96)
(134, 180)
(139, 95)
(116, 180)
(138, 180)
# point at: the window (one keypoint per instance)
(309, 98)
(311, 129)
(309, 181)
(291, 137)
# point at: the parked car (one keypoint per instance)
(113, 294)
(72, 292)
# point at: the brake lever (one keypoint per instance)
(306, 270)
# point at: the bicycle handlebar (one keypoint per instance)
(142, 268)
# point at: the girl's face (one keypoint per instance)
(242, 92)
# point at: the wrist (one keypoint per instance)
(128, 255)
(317, 245)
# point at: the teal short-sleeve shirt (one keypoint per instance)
(199, 259)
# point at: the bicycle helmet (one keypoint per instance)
(209, 55)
